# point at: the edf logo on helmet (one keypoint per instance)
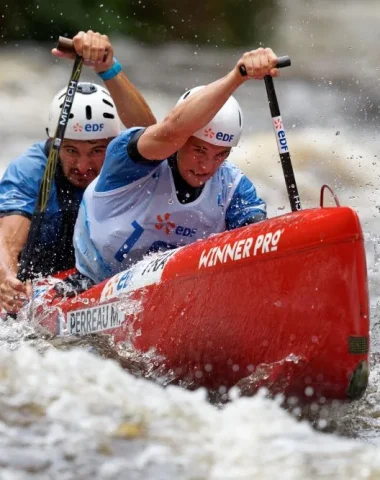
(225, 128)
(225, 137)
(94, 127)
(89, 127)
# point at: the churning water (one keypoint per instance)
(67, 413)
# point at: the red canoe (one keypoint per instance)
(282, 304)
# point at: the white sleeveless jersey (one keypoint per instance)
(115, 229)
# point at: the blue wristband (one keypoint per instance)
(111, 72)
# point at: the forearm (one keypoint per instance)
(13, 234)
(130, 104)
(201, 107)
(8, 259)
(195, 111)
(97, 52)
(13, 293)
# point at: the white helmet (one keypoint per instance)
(225, 128)
(93, 114)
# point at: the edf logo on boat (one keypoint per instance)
(282, 143)
(244, 248)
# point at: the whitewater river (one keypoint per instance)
(66, 413)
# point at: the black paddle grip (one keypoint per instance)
(283, 62)
(65, 45)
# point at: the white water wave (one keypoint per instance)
(90, 419)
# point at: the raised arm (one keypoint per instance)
(165, 138)
(130, 104)
(97, 52)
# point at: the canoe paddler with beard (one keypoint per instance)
(170, 184)
(94, 122)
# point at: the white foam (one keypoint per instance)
(72, 412)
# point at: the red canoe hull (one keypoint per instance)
(282, 304)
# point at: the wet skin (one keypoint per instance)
(198, 160)
(82, 160)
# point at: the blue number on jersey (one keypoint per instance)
(129, 242)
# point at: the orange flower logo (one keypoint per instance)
(77, 127)
(209, 133)
(165, 223)
(278, 124)
(110, 287)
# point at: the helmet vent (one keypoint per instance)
(108, 115)
(239, 118)
(88, 112)
(186, 94)
(86, 88)
(108, 103)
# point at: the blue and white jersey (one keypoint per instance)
(132, 209)
(19, 189)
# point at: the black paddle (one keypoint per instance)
(282, 144)
(26, 260)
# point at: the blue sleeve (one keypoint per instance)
(20, 184)
(245, 207)
(119, 169)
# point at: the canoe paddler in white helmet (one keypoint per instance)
(170, 184)
(93, 123)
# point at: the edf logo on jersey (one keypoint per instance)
(164, 223)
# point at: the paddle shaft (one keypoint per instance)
(282, 144)
(26, 260)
